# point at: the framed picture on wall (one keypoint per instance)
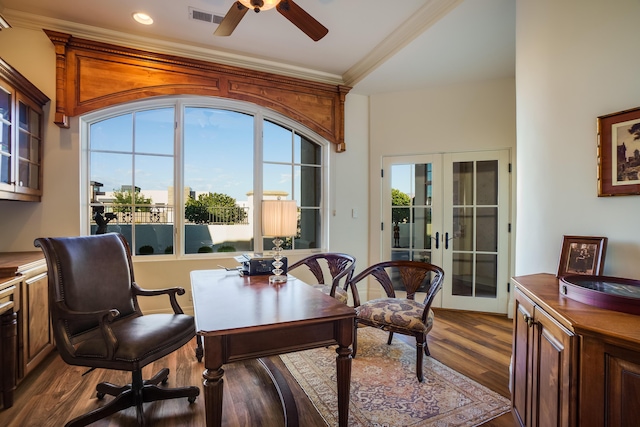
(619, 153)
(582, 255)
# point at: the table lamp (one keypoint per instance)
(279, 219)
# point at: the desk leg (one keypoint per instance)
(213, 382)
(343, 369)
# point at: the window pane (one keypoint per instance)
(308, 185)
(5, 168)
(486, 276)
(310, 223)
(111, 170)
(277, 143)
(487, 238)
(306, 152)
(218, 179)
(5, 131)
(114, 134)
(462, 229)
(462, 277)
(155, 131)
(278, 178)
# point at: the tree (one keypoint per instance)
(398, 198)
(124, 200)
(214, 208)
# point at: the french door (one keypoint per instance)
(452, 210)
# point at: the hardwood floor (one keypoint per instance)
(476, 345)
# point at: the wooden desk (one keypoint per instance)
(246, 318)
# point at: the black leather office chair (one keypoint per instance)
(97, 322)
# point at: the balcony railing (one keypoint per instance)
(163, 214)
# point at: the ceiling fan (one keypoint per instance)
(287, 8)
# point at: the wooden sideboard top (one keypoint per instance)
(584, 319)
(12, 263)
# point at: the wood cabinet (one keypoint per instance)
(573, 364)
(544, 385)
(26, 333)
(21, 135)
(35, 340)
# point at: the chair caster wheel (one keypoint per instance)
(191, 399)
(100, 396)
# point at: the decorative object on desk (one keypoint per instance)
(279, 219)
(618, 163)
(384, 391)
(582, 255)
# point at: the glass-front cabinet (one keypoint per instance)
(21, 136)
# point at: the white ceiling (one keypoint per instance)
(373, 45)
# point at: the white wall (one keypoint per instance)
(470, 117)
(349, 185)
(576, 60)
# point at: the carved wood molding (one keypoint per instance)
(91, 75)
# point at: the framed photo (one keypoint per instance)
(582, 255)
(619, 153)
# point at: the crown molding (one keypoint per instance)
(38, 22)
(418, 23)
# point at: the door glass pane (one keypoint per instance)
(462, 229)
(486, 275)
(411, 208)
(487, 182)
(421, 235)
(487, 237)
(463, 183)
(462, 274)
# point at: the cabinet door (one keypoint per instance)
(522, 359)
(38, 341)
(622, 379)
(555, 385)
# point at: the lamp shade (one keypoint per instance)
(279, 218)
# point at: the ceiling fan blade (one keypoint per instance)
(302, 19)
(231, 19)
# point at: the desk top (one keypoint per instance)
(225, 302)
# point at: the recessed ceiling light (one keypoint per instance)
(143, 18)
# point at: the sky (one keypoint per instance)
(218, 152)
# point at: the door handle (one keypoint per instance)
(437, 239)
(446, 239)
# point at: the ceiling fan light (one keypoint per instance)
(267, 4)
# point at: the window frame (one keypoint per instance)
(179, 103)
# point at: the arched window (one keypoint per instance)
(185, 176)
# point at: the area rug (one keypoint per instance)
(385, 391)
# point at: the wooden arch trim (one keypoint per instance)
(91, 75)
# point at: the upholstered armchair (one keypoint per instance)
(399, 313)
(97, 322)
(329, 269)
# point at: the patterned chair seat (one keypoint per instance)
(401, 314)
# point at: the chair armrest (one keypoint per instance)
(103, 317)
(171, 292)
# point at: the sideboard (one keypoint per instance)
(573, 364)
(26, 337)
